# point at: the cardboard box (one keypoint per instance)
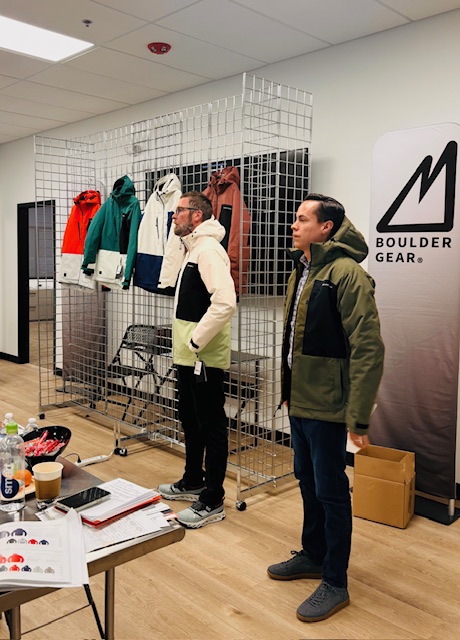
(384, 485)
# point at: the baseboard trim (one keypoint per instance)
(10, 358)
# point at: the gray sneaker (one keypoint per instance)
(299, 566)
(200, 514)
(178, 491)
(323, 602)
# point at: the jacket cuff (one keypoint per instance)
(193, 347)
(87, 271)
(360, 429)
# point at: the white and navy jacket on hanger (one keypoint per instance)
(159, 250)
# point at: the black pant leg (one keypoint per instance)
(206, 429)
(194, 443)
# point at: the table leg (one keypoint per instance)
(13, 617)
(110, 604)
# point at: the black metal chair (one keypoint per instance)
(135, 359)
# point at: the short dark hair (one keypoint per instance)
(201, 202)
(328, 209)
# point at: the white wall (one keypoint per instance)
(394, 80)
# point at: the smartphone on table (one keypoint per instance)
(83, 499)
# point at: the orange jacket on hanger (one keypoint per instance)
(85, 207)
(224, 192)
(83, 211)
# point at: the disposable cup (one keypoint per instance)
(47, 478)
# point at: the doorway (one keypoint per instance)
(36, 279)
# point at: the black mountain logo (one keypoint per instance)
(448, 159)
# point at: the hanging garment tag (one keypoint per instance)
(198, 365)
(201, 375)
(119, 271)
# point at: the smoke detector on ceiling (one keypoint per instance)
(159, 47)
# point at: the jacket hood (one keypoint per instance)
(208, 229)
(166, 185)
(89, 197)
(123, 187)
(347, 241)
(221, 180)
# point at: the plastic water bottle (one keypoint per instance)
(8, 416)
(31, 425)
(12, 466)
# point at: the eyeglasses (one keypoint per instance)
(180, 209)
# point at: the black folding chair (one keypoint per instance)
(135, 359)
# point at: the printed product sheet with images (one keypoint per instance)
(140, 524)
(43, 554)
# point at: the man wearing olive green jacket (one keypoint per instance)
(332, 366)
(203, 306)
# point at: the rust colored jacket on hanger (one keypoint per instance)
(228, 207)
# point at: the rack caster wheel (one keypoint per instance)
(41, 416)
(241, 506)
(121, 451)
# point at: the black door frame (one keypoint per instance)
(23, 274)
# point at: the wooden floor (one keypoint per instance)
(404, 584)
(41, 335)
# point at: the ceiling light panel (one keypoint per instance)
(40, 43)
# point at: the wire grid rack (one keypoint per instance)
(110, 350)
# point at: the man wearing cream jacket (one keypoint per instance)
(204, 304)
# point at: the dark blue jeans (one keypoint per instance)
(319, 466)
(201, 411)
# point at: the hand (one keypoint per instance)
(360, 441)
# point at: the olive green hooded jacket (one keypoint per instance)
(338, 352)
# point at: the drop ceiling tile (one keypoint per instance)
(146, 9)
(14, 131)
(121, 66)
(5, 81)
(422, 8)
(65, 16)
(9, 137)
(27, 121)
(19, 66)
(30, 108)
(187, 54)
(4, 137)
(91, 84)
(238, 29)
(62, 98)
(333, 21)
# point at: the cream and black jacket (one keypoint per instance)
(205, 300)
(337, 351)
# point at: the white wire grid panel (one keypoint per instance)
(110, 350)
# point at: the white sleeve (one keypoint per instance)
(214, 268)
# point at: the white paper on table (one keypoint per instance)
(134, 525)
(142, 523)
(43, 554)
(124, 495)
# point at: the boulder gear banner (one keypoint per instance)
(414, 256)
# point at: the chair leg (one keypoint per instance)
(89, 595)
